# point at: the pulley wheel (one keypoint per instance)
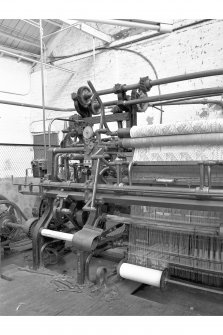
(84, 96)
(138, 94)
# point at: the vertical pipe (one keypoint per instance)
(130, 172)
(118, 170)
(94, 60)
(42, 82)
(161, 115)
(209, 175)
(0, 259)
(95, 183)
(202, 176)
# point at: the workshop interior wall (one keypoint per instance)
(190, 48)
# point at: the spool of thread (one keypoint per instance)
(142, 275)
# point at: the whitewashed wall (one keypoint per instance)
(194, 48)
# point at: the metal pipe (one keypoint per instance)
(194, 102)
(105, 169)
(206, 289)
(66, 167)
(199, 202)
(188, 99)
(119, 175)
(155, 26)
(136, 190)
(95, 184)
(49, 127)
(168, 140)
(130, 167)
(23, 145)
(42, 85)
(94, 58)
(36, 61)
(55, 165)
(167, 80)
(202, 176)
(68, 150)
(13, 103)
(55, 161)
(57, 235)
(185, 94)
(21, 104)
(209, 170)
(189, 76)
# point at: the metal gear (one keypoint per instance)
(137, 94)
(29, 226)
(8, 233)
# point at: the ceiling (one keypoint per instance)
(24, 37)
(21, 37)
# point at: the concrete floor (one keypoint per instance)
(36, 293)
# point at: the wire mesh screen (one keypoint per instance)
(15, 159)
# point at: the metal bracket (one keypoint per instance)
(87, 238)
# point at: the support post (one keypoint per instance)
(81, 259)
(43, 88)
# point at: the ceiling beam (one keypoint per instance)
(33, 23)
(19, 39)
(53, 22)
(35, 61)
(90, 30)
(20, 52)
(62, 29)
(149, 22)
(160, 27)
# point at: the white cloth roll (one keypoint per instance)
(178, 128)
(57, 235)
(152, 148)
(179, 153)
(141, 274)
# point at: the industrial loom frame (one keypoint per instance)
(87, 186)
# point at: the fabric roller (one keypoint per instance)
(178, 128)
(142, 274)
(146, 142)
(182, 141)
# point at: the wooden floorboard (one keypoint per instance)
(35, 294)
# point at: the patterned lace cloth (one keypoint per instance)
(179, 152)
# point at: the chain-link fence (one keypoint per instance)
(15, 159)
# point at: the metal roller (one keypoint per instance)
(195, 139)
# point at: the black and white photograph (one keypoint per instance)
(111, 166)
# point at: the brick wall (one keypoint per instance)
(15, 85)
(194, 48)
